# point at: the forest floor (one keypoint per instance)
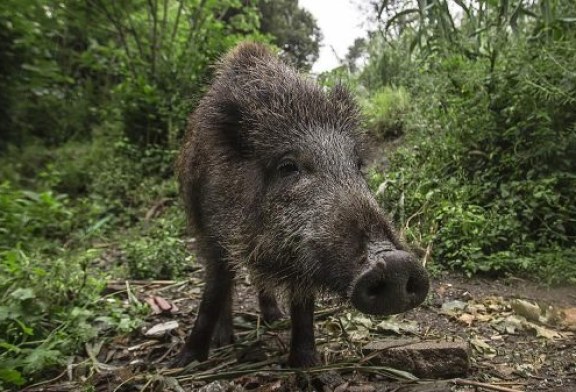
(519, 336)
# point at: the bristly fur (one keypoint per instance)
(258, 103)
(257, 106)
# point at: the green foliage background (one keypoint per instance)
(484, 174)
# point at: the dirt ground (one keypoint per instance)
(519, 336)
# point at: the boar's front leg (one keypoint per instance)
(302, 346)
(224, 333)
(215, 309)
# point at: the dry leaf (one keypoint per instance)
(160, 329)
(569, 318)
(362, 320)
(482, 347)
(398, 327)
(160, 305)
(360, 334)
(526, 309)
(504, 369)
(452, 308)
(544, 332)
(467, 318)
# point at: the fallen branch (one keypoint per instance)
(118, 282)
(492, 387)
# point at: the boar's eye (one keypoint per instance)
(288, 167)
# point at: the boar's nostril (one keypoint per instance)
(376, 291)
(413, 286)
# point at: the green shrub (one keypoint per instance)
(384, 111)
(49, 307)
(26, 215)
(487, 174)
(157, 251)
(43, 312)
(49, 292)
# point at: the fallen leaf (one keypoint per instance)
(569, 318)
(482, 347)
(526, 309)
(475, 308)
(362, 320)
(160, 329)
(543, 331)
(495, 307)
(342, 387)
(484, 317)
(163, 304)
(451, 308)
(515, 324)
(510, 325)
(275, 386)
(160, 305)
(524, 370)
(361, 333)
(442, 288)
(504, 370)
(155, 308)
(467, 318)
(398, 326)
(333, 327)
(346, 387)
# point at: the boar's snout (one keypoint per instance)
(394, 283)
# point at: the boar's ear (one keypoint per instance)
(245, 56)
(340, 96)
(344, 103)
(230, 125)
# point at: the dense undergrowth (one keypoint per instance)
(486, 177)
(485, 174)
(82, 219)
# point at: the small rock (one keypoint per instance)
(423, 359)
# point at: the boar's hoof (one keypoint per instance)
(185, 357)
(394, 284)
(328, 380)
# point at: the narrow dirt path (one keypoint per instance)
(520, 337)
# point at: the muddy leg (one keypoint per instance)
(224, 333)
(216, 298)
(269, 307)
(302, 346)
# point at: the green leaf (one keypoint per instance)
(399, 15)
(23, 294)
(40, 358)
(11, 376)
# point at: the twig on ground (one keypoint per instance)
(136, 282)
(45, 382)
(492, 387)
